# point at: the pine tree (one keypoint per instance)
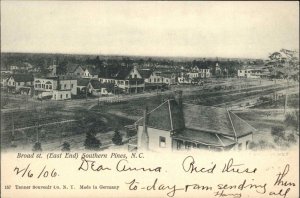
(65, 146)
(91, 142)
(117, 138)
(37, 146)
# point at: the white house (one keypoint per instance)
(61, 95)
(253, 73)
(97, 88)
(126, 78)
(55, 87)
(17, 81)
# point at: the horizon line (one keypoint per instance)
(131, 55)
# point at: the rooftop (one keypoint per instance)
(198, 123)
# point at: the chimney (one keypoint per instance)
(178, 98)
(145, 136)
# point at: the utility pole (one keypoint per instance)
(13, 131)
(86, 93)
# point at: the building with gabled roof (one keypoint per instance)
(128, 79)
(96, 88)
(17, 81)
(174, 125)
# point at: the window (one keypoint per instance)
(150, 80)
(240, 146)
(247, 144)
(179, 144)
(162, 142)
(50, 86)
(65, 86)
(67, 95)
(60, 95)
(72, 86)
(135, 75)
(18, 83)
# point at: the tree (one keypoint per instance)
(284, 64)
(65, 146)
(37, 146)
(117, 138)
(91, 142)
(292, 119)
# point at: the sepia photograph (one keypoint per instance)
(113, 79)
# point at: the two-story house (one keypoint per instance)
(17, 81)
(175, 125)
(126, 78)
(57, 88)
(202, 70)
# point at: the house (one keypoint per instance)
(184, 79)
(17, 81)
(57, 88)
(82, 84)
(168, 78)
(90, 71)
(96, 88)
(4, 79)
(126, 78)
(175, 125)
(68, 83)
(61, 95)
(14, 67)
(151, 76)
(252, 72)
(52, 71)
(217, 69)
(203, 70)
(79, 71)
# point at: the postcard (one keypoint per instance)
(149, 99)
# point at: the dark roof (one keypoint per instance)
(5, 76)
(209, 139)
(83, 81)
(98, 85)
(197, 122)
(207, 118)
(166, 116)
(22, 77)
(166, 74)
(145, 73)
(115, 73)
(202, 66)
(71, 67)
(92, 69)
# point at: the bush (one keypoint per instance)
(261, 145)
(291, 119)
(291, 138)
(277, 132)
(37, 146)
(65, 146)
(91, 142)
(117, 138)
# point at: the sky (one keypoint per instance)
(191, 29)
